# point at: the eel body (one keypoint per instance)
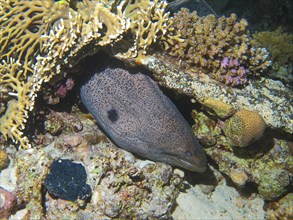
(138, 117)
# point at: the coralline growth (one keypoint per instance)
(39, 38)
(220, 47)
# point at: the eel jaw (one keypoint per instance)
(199, 166)
(192, 167)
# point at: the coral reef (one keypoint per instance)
(122, 186)
(53, 35)
(41, 40)
(269, 98)
(244, 127)
(267, 162)
(219, 47)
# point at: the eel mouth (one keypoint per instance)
(199, 167)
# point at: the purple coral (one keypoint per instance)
(232, 73)
(225, 62)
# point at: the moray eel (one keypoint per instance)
(139, 118)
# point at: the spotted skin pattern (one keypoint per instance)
(139, 118)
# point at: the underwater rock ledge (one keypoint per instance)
(270, 98)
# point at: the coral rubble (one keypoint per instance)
(122, 186)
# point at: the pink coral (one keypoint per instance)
(7, 203)
(64, 88)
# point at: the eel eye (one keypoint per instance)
(188, 154)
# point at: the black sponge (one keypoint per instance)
(67, 180)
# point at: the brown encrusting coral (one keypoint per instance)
(281, 209)
(220, 47)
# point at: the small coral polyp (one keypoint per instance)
(51, 35)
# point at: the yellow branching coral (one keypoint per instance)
(279, 43)
(17, 111)
(22, 26)
(40, 37)
(149, 22)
